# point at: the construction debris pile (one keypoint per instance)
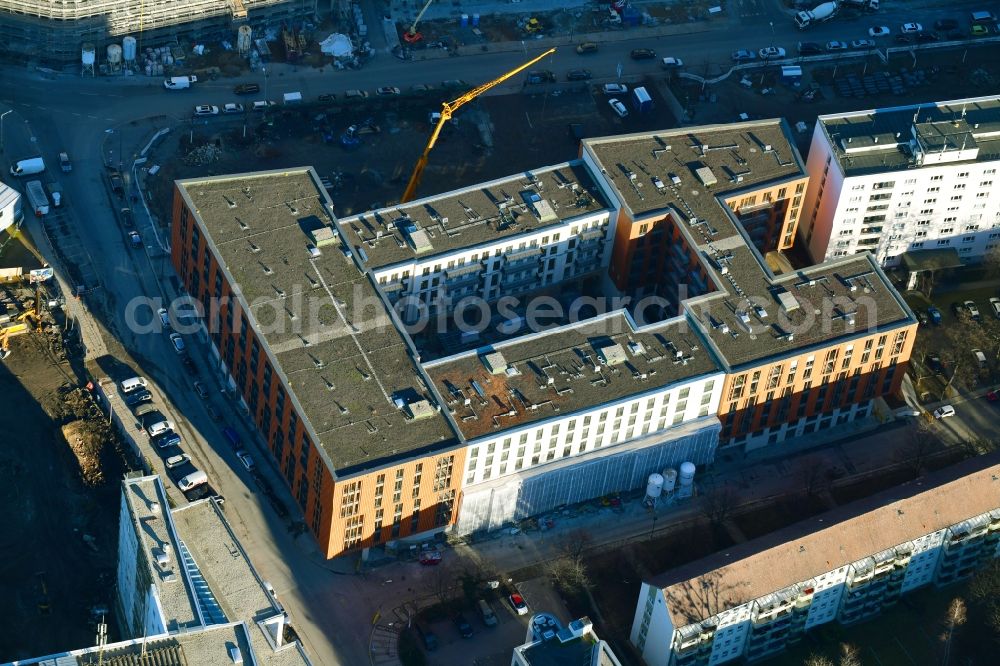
(86, 431)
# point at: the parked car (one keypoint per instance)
(642, 54)
(945, 24)
(578, 75)
(134, 239)
(971, 308)
(672, 63)
(246, 89)
(232, 437)
(213, 413)
(427, 637)
(618, 107)
(935, 315)
(232, 107)
(744, 55)
(769, 52)
(159, 428)
(355, 94)
(387, 91)
(486, 612)
(463, 626)
(933, 362)
(178, 342)
(455, 84)
(993, 396)
(430, 558)
(138, 398)
(518, 604)
(927, 37)
(164, 318)
(541, 76)
(206, 110)
(980, 30)
(908, 28)
(127, 218)
(587, 47)
(421, 88)
(177, 460)
(836, 45)
(923, 318)
(863, 44)
(980, 358)
(879, 31)
(245, 458)
(189, 365)
(810, 48)
(614, 89)
(200, 389)
(995, 304)
(944, 412)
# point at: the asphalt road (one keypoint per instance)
(333, 613)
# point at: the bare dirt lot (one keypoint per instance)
(493, 137)
(58, 534)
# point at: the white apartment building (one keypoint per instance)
(10, 207)
(591, 409)
(847, 565)
(890, 181)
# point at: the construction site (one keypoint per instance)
(59, 471)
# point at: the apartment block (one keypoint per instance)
(905, 179)
(550, 644)
(186, 592)
(58, 30)
(485, 355)
(801, 350)
(11, 208)
(847, 566)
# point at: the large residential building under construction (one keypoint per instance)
(57, 30)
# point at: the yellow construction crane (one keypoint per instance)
(449, 108)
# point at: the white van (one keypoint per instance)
(28, 167)
(159, 428)
(980, 358)
(133, 384)
(193, 480)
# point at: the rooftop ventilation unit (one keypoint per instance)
(787, 301)
(706, 176)
(420, 409)
(235, 655)
(612, 354)
(323, 236)
(314, 251)
(419, 240)
(495, 363)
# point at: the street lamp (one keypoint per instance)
(1, 127)
(770, 49)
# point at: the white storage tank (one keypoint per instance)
(89, 54)
(654, 486)
(669, 480)
(114, 56)
(687, 473)
(128, 49)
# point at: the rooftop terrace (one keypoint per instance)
(832, 540)
(473, 215)
(322, 322)
(565, 370)
(906, 137)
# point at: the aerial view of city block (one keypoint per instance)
(500, 332)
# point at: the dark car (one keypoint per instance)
(463, 626)
(642, 54)
(810, 48)
(923, 318)
(189, 366)
(246, 89)
(587, 47)
(127, 218)
(327, 97)
(933, 362)
(578, 75)
(168, 438)
(138, 398)
(945, 24)
(430, 558)
(903, 38)
(117, 186)
(541, 76)
(927, 37)
(232, 437)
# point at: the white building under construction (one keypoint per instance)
(56, 30)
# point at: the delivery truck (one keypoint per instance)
(28, 167)
(179, 82)
(37, 197)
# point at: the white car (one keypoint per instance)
(387, 91)
(772, 52)
(836, 45)
(177, 461)
(907, 28)
(995, 304)
(206, 110)
(618, 107)
(944, 411)
(614, 89)
(159, 428)
(879, 31)
(164, 318)
(178, 342)
(971, 308)
(245, 459)
(232, 108)
(672, 63)
(863, 44)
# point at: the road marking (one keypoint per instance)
(93, 117)
(110, 120)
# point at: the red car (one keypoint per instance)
(430, 558)
(517, 601)
(993, 396)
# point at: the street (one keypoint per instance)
(106, 121)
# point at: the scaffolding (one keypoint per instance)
(55, 30)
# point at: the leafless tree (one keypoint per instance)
(849, 655)
(812, 475)
(718, 503)
(575, 543)
(441, 583)
(919, 449)
(818, 660)
(984, 596)
(954, 618)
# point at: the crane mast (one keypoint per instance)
(449, 108)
